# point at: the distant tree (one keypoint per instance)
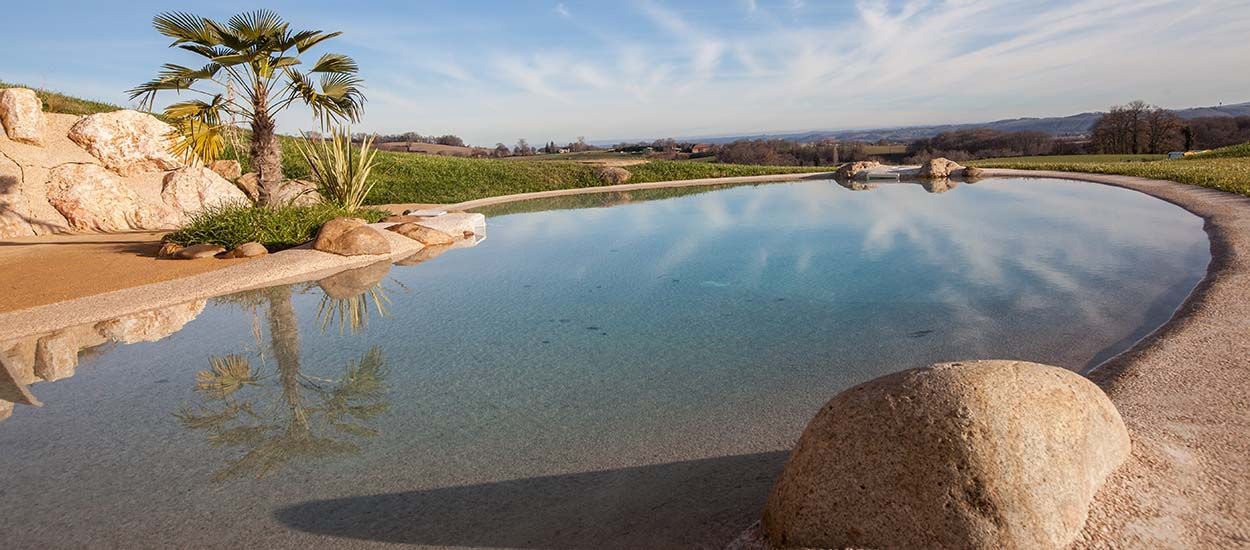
(501, 150)
(522, 148)
(1136, 128)
(580, 145)
(449, 140)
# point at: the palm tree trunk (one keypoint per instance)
(266, 153)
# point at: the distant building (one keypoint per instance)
(700, 148)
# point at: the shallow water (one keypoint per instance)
(616, 370)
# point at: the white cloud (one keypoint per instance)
(890, 63)
(563, 11)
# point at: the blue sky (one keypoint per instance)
(501, 70)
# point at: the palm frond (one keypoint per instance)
(258, 25)
(335, 63)
(184, 27)
(305, 40)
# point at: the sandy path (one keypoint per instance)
(42, 270)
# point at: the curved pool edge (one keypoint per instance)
(1183, 391)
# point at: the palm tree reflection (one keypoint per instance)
(284, 416)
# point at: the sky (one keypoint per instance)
(496, 71)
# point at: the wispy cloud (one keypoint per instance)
(563, 11)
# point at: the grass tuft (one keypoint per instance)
(276, 227)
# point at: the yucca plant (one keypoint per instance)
(340, 172)
(250, 77)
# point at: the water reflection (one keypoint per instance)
(347, 295)
(306, 418)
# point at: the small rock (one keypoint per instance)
(350, 237)
(422, 234)
(246, 250)
(613, 175)
(972, 172)
(21, 112)
(228, 169)
(249, 184)
(851, 170)
(168, 250)
(198, 251)
(978, 454)
(939, 168)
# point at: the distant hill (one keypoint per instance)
(1059, 126)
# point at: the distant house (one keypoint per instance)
(700, 148)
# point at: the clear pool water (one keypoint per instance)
(621, 370)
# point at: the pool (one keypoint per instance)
(608, 370)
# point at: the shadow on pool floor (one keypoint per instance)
(690, 504)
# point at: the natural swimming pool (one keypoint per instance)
(587, 376)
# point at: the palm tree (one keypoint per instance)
(251, 76)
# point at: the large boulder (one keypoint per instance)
(191, 190)
(93, 199)
(851, 170)
(350, 237)
(150, 326)
(940, 168)
(422, 234)
(981, 454)
(127, 142)
(21, 112)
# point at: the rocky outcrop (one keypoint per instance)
(350, 237)
(127, 142)
(940, 168)
(613, 175)
(229, 169)
(150, 326)
(422, 234)
(191, 190)
(851, 170)
(21, 112)
(983, 454)
(93, 199)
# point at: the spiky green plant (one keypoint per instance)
(340, 172)
(251, 75)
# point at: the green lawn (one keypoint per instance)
(1226, 169)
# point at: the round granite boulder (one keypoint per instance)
(978, 454)
(350, 237)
